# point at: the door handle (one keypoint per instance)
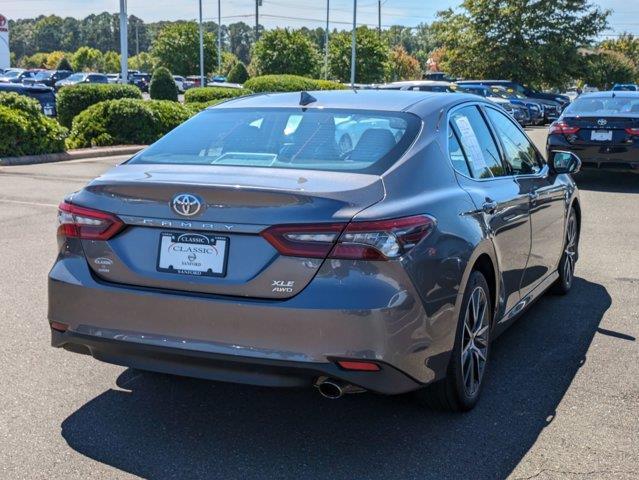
(489, 207)
(534, 196)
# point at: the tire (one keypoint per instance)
(460, 390)
(568, 260)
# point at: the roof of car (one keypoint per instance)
(611, 94)
(384, 100)
(443, 83)
(19, 87)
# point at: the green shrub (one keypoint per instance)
(289, 83)
(163, 86)
(168, 114)
(238, 74)
(196, 107)
(27, 105)
(206, 94)
(126, 122)
(64, 64)
(25, 132)
(74, 99)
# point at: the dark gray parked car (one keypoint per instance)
(245, 246)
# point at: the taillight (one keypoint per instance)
(563, 128)
(86, 223)
(370, 240)
(632, 131)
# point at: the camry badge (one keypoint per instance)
(186, 204)
(602, 121)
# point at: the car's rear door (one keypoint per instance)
(499, 199)
(547, 196)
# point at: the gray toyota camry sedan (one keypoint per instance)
(255, 244)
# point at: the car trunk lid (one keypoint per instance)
(236, 205)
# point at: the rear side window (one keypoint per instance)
(327, 139)
(477, 143)
(456, 154)
(518, 150)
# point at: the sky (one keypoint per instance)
(285, 13)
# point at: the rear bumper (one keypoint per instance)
(263, 342)
(228, 368)
(596, 156)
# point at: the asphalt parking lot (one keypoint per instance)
(561, 399)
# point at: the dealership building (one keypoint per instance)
(5, 61)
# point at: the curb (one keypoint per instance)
(78, 154)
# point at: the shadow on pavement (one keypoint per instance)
(165, 427)
(606, 181)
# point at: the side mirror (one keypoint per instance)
(564, 162)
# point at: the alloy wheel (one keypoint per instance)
(475, 341)
(570, 251)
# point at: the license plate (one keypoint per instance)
(601, 135)
(48, 111)
(193, 254)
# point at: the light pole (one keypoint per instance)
(202, 84)
(124, 44)
(258, 4)
(219, 37)
(328, 8)
(353, 44)
(379, 17)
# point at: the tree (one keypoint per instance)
(238, 74)
(240, 37)
(47, 33)
(64, 64)
(283, 51)
(110, 62)
(144, 62)
(514, 40)
(53, 59)
(605, 68)
(402, 66)
(372, 54)
(86, 59)
(229, 60)
(37, 60)
(163, 86)
(177, 48)
(627, 44)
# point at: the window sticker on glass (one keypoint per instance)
(470, 141)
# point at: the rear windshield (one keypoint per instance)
(313, 139)
(603, 106)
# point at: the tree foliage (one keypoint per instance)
(86, 59)
(177, 47)
(627, 44)
(238, 74)
(284, 51)
(163, 86)
(402, 66)
(64, 64)
(144, 62)
(372, 54)
(605, 68)
(534, 44)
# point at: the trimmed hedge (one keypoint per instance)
(27, 105)
(289, 83)
(126, 122)
(76, 98)
(163, 86)
(206, 94)
(25, 130)
(197, 107)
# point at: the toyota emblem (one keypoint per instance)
(186, 204)
(602, 121)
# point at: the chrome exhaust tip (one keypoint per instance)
(333, 388)
(330, 388)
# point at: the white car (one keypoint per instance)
(182, 83)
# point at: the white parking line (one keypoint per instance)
(20, 202)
